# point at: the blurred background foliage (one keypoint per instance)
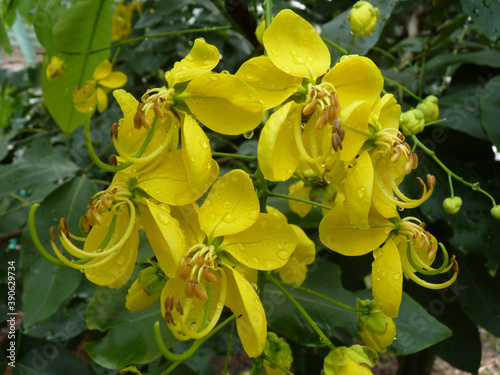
(433, 47)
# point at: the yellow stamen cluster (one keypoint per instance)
(159, 99)
(413, 229)
(390, 140)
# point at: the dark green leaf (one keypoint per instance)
(50, 359)
(488, 57)
(490, 109)
(4, 38)
(43, 23)
(484, 13)
(46, 286)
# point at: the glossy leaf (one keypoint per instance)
(490, 110)
(485, 16)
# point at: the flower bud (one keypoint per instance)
(363, 19)
(412, 122)
(356, 359)
(259, 30)
(430, 108)
(376, 330)
(452, 205)
(495, 211)
(278, 350)
(146, 289)
(56, 67)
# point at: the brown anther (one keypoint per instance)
(408, 148)
(113, 132)
(322, 120)
(335, 100)
(455, 264)
(209, 276)
(397, 154)
(332, 115)
(157, 110)
(408, 168)
(137, 121)
(105, 201)
(421, 225)
(321, 94)
(63, 226)
(341, 133)
(311, 107)
(422, 242)
(431, 181)
(184, 274)
(52, 237)
(336, 126)
(169, 302)
(421, 182)
(115, 190)
(401, 136)
(189, 290)
(431, 251)
(144, 121)
(178, 306)
(113, 160)
(199, 260)
(208, 262)
(336, 141)
(97, 217)
(415, 160)
(200, 293)
(89, 216)
(145, 97)
(168, 316)
(85, 223)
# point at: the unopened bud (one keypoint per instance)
(278, 350)
(363, 19)
(452, 205)
(356, 359)
(495, 211)
(56, 68)
(376, 330)
(146, 289)
(430, 108)
(412, 122)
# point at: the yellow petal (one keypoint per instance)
(202, 58)
(114, 80)
(85, 97)
(337, 232)
(117, 272)
(224, 103)
(102, 70)
(355, 78)
(271, 84)
(358, 190)
(266, 245)
(126, 100)
(245, 304)
(355, 122)
(277, 151)
(168, 182)
(275, 212)
(196, 154)
(387, 111)
(295, 46)
(305, 252)
(164, 235)
(102, 100)
(387, 279)
(299, 190)
(188, 220)
(231, 205)
(293, 272)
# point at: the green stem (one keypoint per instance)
(171, 368)
(236, 156)
(289, 197)
(450, 181)
(21, 207)
(269, 13)
(311, 322)
(263, 191)
(322, 296)
(188, 353)
(36, 241)
(352, 44)
(276, 364)
(432, 154)
(228, 352)
(403, 88)
(336, 46)
(151, 36)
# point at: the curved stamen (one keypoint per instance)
(445, 266)
(429, 285)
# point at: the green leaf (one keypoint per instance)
(4, 38)
(46, 285)
(43, 23)
(490, 109)
(484, 13)
(416, 328)
(488, 57)
(130, 336)
(49, 359)
(338, 30)
(3, 148)
(74, 36)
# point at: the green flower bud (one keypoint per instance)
(452, 205)
(376, 330)
(412, 122)
(146, 289)
(56, 67)
(495, 211)
(363, 18)
(356, 359)
(278, 350)
(430, 108)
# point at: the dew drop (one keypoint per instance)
(256, 260)
(384, 274)
(250, 76)
(287, 69)
(244, 260)
(283, 255)
(164, 219)
(274, 52)
(248, 135)
(203, 144)
(229, 218)
(227, 204)
(378, 253)
(193, 158)
(361, 191)
(378, 269)
(254, 215)
(397, 276)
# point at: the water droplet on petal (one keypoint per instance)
(164, 219)
(377, 253)
(283, 255)
(397, 276)
(229, 218)
(287, 69)
(203, 144)
(227, 204)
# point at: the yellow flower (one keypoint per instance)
(121, 20)
(93, 92)
(222, 239)
(407, 248)
(355, 360)
(56, 68)
(297, 58)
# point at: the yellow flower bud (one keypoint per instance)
(56, 67)
(363, 19)
(146, 289)
(259, 31)
(412, 122)
(356, 359)
(376, 330)
(430, 108)
(452, 205)
(278, 350)
(495, 211)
